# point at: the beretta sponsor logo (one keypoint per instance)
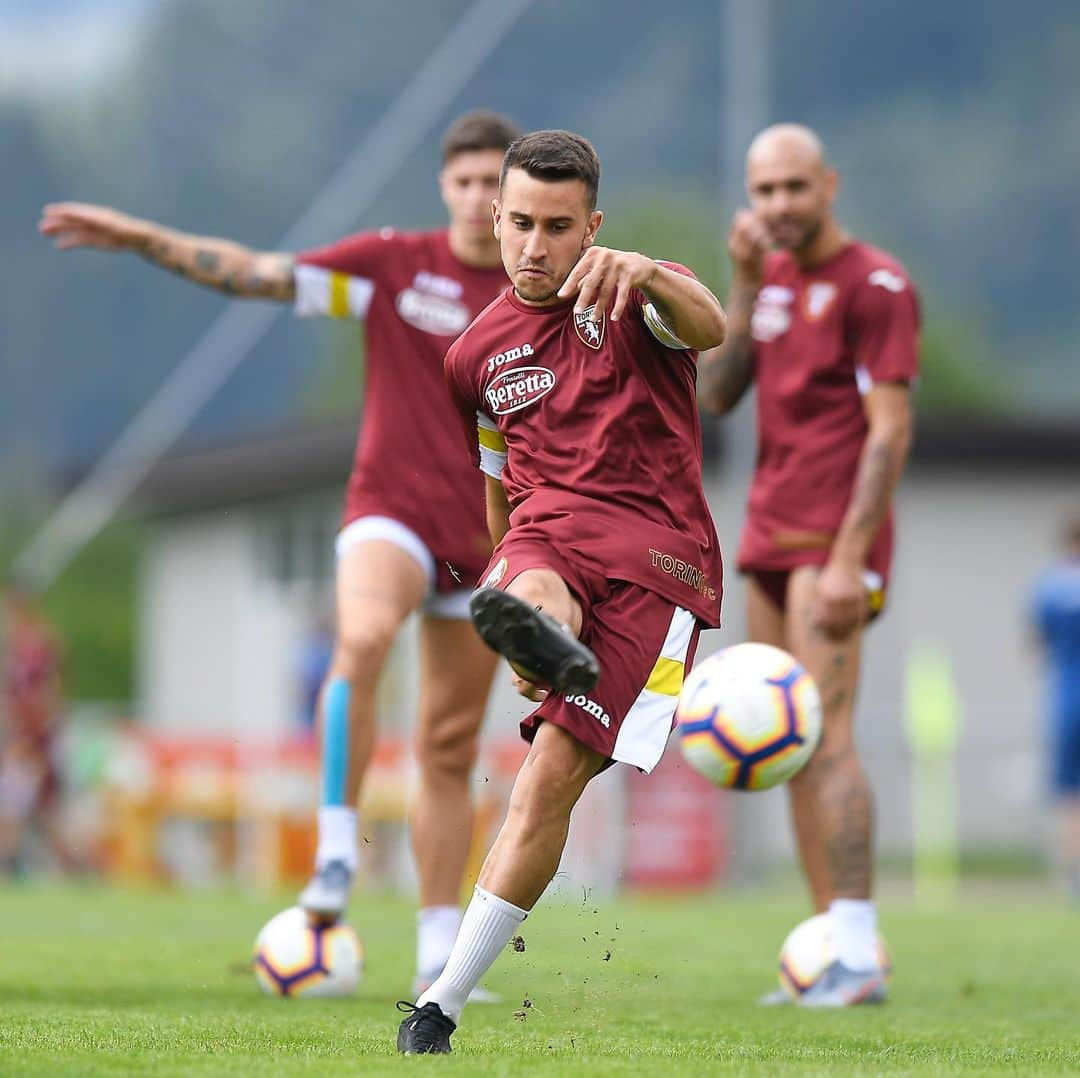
(513, 390)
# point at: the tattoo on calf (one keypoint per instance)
(848, 826)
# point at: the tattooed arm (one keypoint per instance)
(841, 594)
(725, 373)
(216, 263)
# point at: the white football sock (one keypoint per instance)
(337, 836)
(487, 926)
(854, 926)
(436, 929)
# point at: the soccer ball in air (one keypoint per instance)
(294, 957)
(807, 952)
(748, 717)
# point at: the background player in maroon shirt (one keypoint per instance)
(31, 718)
(576, 388)
(827, 328)
(413, 533)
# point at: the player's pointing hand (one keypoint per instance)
(748, 243)
(78, 224)
(603, 276)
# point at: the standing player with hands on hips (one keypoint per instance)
(576, 390)
(827, 329)
(413, 533)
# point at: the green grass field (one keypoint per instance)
(103, 981)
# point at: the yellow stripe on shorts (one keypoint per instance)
(666, 677)
(339, 295)
(491, 439)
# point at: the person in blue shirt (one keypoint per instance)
(1057, 621)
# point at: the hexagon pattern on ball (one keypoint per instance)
(294, 957)
(749, 717)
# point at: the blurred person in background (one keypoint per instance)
(413, 535)
(826, 326)
(32, 714)
(1056, 615)
(314, 657)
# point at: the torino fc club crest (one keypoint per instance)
(590, 332)
(818, 299)
(494, 578)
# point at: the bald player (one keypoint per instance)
(827, 329)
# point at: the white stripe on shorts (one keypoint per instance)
(644, 732)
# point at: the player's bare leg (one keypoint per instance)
(526, 852)
(831, 799)
(832, 805)
(378, 586)
(519, 866)
(765, 624)
(456, 669)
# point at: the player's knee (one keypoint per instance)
(447, 748)
(546, 590)
(362, 649)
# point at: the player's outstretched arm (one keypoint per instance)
(604, 277)
(725, 373)
(216, 263)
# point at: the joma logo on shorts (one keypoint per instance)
(591, 707)
(509, 356)
(682, 571)
(513, 390)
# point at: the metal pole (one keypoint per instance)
(745, 109)
(231, 337)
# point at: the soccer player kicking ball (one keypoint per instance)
(576, 387)
(827, 327)
(413, 533)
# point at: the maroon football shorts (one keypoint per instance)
(643, 643)
(774, 582)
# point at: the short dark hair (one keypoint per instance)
(481, 129)
(554, 156)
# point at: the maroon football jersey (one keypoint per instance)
(414, 297)
(821, 338)
(594, 430)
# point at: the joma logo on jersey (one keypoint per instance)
(591, 707)
(511, 355)
(887, 279)
(513, 390)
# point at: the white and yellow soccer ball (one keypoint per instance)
(809, 949)
(749, 717)
(294, 957)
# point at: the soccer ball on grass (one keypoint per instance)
(294, 957)
(809, 949)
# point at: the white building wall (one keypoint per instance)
(214, 638)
